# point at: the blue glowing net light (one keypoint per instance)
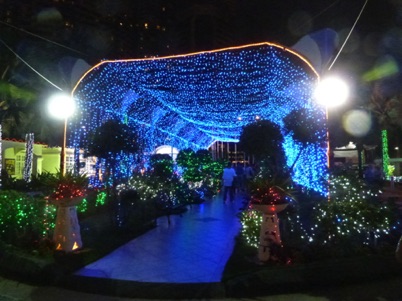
(196, 99)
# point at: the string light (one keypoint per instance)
(196, 99)
(19, 212)
(354, 211)
(355, 214)
(29, 142)
(385, 154)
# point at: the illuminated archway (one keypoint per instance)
(196, 99)
(168, 150)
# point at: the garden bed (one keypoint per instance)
(272, 279)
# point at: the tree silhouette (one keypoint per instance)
(263, 140)
(109, 141)
(303, 126)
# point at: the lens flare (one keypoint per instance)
(357, 122)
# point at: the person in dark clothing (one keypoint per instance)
(239, 183)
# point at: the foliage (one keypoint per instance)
(24, 219)
(387, 109)
(268, 194)
(21, 112)
(353, 213)
(162, 166)
(262, 139)
(14, 101)
(68, 185)
(109, 141)
(200, 170)
(251, 224)
(267, 177)
(157, 194)
(111, 138)
(188, 161)
(302, 125)
(160, 188)
(350, 221)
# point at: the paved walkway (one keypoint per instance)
(193, 248)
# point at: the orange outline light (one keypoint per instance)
(295, 53)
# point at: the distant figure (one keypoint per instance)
(240, 177)
(374, 176)
(248, 174)
(228, 178)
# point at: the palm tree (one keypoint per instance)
(388, 111)
(14, 105)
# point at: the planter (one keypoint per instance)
(269, 233)
(269, 209)
(67, 235)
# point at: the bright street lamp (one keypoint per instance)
(62, 106)
(331, 92)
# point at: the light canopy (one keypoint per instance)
(196, 99)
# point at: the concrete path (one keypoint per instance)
(193, 248)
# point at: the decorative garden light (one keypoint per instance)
(62, 106)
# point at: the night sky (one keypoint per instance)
(47, 32)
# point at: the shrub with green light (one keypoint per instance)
(200, 171)
(24, 218)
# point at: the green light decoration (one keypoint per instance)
(200, 170)
(22, 216)
(101, 199)
(82, 207)
(49, 216)
(391, 170)
(385, 154)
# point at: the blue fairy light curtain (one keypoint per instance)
(196, 99)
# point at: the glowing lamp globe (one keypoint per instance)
(331, 92)
(61, 106)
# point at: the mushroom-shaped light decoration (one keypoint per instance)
(270, 201)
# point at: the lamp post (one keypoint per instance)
(62, 106)
(331, 92)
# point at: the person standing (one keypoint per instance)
(240, 177)
(249, 175)
(228, 177)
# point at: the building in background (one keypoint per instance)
(45, 159)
